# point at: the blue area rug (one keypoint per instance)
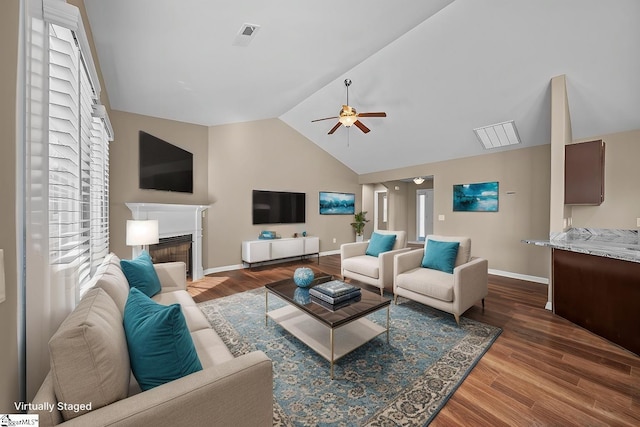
(403, 382)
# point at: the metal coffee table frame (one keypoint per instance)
(331, 334)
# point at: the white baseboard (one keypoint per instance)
(549, 306)
(277, 261)
(223, 268)
(535, 279)
(333, 252)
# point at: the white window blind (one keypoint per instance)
(65, 208)
(99, 193)
(78, 170)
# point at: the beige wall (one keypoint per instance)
(9, 388)
(229, 162)
(495, 235)
(621, 204)
(124, 169)
(269, 155)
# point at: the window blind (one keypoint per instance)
(65, 234)
(99, 193)
(78, 170)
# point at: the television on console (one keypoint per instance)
(278, 207)
(163, 166)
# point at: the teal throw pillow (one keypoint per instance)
(440, 255)
(380, 243)
(160, 345)
(141, 274)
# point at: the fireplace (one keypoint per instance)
(176, 221)
(169, 249)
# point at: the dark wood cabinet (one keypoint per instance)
(584, 173)
(600, 294)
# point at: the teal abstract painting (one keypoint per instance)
(337, 203)
(479, 197)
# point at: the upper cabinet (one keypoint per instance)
(584, 173)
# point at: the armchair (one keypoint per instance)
(454, 293)
(376, 271)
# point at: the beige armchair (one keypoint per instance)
(454, 293)
(376, 271)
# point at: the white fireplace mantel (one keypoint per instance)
(176, 220)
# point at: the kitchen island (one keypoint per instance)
(596, 282)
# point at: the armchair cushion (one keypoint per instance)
(364, 264)
(424, 281)
(440, 255)
(160, 346)
(141, 274)
(464, 251)
(380, 243)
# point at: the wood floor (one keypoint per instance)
(541, 371)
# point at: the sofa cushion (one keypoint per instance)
(88, 355)
(440, 255)
(111, 278)
(196, 320)
(211, 349)
(363, 264)
(160, 346)
(141, 274)
(432, 283)
(380, 243)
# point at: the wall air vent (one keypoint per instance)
(498, 135)
(246, 33)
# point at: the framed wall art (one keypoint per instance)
(337, 203)
(478, 197)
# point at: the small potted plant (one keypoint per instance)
(359, 221)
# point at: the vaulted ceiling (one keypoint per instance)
(438, 68)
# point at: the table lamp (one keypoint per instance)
(141, 234)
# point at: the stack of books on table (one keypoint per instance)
(334, 294)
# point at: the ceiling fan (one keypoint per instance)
(348, 115)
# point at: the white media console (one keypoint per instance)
(263, 250)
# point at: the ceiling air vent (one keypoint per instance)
(246, 33)
(498, 135)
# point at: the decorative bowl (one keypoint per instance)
(303, 277)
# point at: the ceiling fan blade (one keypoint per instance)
(381, 114)
(326, 118)
(362, 127)
(335, 128)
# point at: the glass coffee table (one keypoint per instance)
(331, 334)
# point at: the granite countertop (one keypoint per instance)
(610, 243)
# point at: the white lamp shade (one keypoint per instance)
(142, 232)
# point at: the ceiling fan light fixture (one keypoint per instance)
(418, 180)
(498, 135)
(348, 115)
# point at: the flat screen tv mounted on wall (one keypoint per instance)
(163, 166)
(278, 207)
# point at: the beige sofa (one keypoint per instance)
(376, 271)
(90, 364)
(454, 293)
